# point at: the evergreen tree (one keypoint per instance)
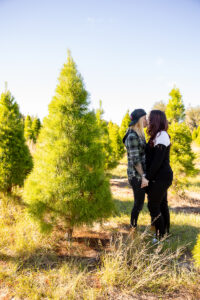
(116, 141)
(36, 125)
(160, 105)
(68, 184)
(175, 110)
(110, 159)
(28, 132)
(124, 125)
(181, 155)
(16, 161)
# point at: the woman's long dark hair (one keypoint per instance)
(157, 122)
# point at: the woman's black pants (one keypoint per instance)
(158, 206)
(139, 196)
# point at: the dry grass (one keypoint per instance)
(31, 268)
(102, 262)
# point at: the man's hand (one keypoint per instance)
(144, 183)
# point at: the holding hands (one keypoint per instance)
(145, 182)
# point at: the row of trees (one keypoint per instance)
(67, 182)
(32, 127)
(111, 140)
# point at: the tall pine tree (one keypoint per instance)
(15, 158)
(175, 110)
(68, 183)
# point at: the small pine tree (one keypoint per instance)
(175, 110)
(68, 184)
(124, 125)
(36, 125)
(16, 161)
(110, 159)
(28, 132)
(116, 141)
(181, 155)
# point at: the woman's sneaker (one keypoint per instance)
(155, 241)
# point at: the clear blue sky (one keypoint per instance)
(129, 52)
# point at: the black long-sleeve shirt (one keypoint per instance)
(157, 158)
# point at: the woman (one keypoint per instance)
(135, 143)
(159, 172)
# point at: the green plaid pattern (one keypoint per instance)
(135, 146)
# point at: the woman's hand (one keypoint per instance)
(144, 182)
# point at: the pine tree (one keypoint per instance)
(110, 159)
(175, 110)
(116, 141)
(68, 184)
(28, 132)
(181, 155)
(124, 125)
(16, 161)
(36, 125)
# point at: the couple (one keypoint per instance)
(149, 167)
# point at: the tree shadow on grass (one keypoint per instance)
(47, 260)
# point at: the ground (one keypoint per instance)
(102, 261)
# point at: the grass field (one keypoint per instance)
(103, 261)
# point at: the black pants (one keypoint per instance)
(139, 196)
(158, 206)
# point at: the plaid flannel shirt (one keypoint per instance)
(135, 146)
